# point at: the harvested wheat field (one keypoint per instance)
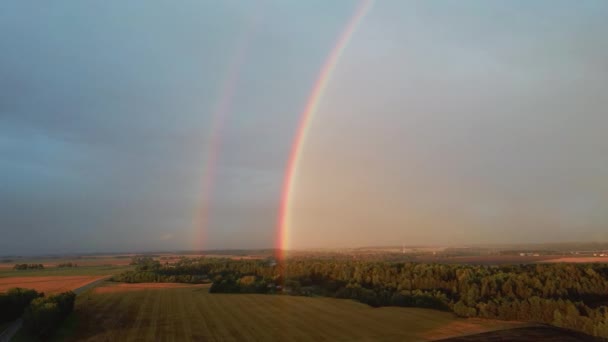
(190, 312)
(48, 284)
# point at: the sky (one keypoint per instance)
(151, 125)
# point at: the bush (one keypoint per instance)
(44, 314)
(461, 309)
(14, 302)
(228, 285)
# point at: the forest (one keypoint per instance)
(572, 296)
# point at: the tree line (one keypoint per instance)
(67, 264)
(28, 267)
(573, 296)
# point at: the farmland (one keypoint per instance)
(55, 279)
(178, 312)
(68, 271)
(47, 285)
(392, 301)
(106, 260)
(531, 334)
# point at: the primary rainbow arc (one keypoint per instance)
(305, 120)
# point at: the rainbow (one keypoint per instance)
(222, 109)
(316, 94)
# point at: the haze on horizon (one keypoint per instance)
(444, 122)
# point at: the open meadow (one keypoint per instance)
(177, 312)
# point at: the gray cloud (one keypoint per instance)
(452, 123)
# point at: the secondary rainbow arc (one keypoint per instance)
(221, 111)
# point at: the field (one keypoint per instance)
(47, 284)
(527, 334)
(587, 259)
(54, 280)
(7, 263)
(67, 271)
(126, 312)
(108, 260)
(484, 260)
(507, 259)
